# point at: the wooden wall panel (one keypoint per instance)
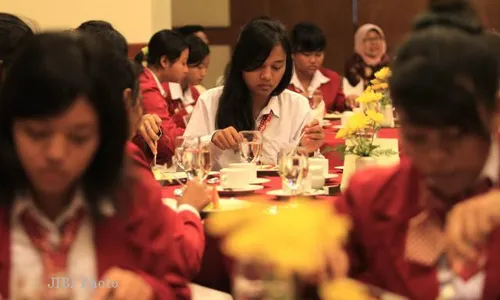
(393, 16)
(333, 16)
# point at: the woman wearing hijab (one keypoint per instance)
(370, 55)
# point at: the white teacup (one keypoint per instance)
(316, 170)
(317, 182)
(251, 170)
(321, 162)
(233, 178)
(345, 116)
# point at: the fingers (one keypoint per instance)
(458, 245)
(227, 138)
(157, 120)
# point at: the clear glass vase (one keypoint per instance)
(256, 281)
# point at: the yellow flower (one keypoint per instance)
(383, 74)
(375, 116)
(293, 239)
(380, 86)
(343, 289)
(369, 97)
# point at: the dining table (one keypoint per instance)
(216, 267)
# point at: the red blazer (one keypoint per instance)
(154, 103)
(332, 92)
(189, 236)
(176, 108)
(142, 240)
(381, 201)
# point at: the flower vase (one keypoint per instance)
(388, 113)
(256, 281)
(363, 162)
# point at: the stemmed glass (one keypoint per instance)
(186, 154)
(293, 167)
(204, 165)
(251, 146)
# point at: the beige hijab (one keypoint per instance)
(359, 47)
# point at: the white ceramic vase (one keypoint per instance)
(388, 113)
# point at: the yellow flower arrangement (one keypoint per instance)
(369, 96)
(383, 74)
(381, 85)
(293, 238)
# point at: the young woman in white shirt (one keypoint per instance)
(254, 97)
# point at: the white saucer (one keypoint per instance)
(267, 168)
(260, 181)
(338, 127)
(331, 176)
(325, 123)
(170, 176)
(281, 193)
(339, 168)
(333, 116)
(249, 188)
(229, 204)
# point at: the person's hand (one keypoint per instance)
(227, 138)
(149, 129)
(195, 194)
(128, 285)
(314, 136)
(351, 101)
(468, 226)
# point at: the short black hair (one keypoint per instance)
(188, 30)
(198, 50)
(105, 31)
(57, 68)
(443, 74)
(165, 42)
(307, 37)
(13, 34)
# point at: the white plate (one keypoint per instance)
(281, 193)
(333, 116)
(325, 123)
(249, 188)
(228, 205)
(339, 168)
(331, 176)
(267, 168)
(260, 181)
(169, 175)
(338, 127)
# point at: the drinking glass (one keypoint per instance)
(204, 165)
(293, 167)
(250, 146)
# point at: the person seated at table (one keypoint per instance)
(370, 55)
(72, 205)
(167, 55)
(255, 97)
(182, 97)
(323, 87)
(444, 85)
(13, 33)
(107, 32)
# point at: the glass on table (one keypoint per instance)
(250, 146)
(293, 167)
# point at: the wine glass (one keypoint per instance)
(204, 165)
(293, 167)
(250, 146)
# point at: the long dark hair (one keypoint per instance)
(57, 68)
(167, 43)
(255, 43)
(198, 51)
(13, 33)
(445, 71)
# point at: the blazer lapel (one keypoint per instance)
(4, 251)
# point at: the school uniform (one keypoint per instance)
(180, 103)
(189, 236)
(154, 102)
(330, 85)
(396, 240)
(281, 123)
(141, 239)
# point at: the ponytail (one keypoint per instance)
(141, 56)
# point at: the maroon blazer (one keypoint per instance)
(381, 201)
(332, 92)
(154, 103)
(141, 240)
(176, 107)
(189, 236)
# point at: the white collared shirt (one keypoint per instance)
(291, 112)
(27, 268)
(186, 97)
(317, 80)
